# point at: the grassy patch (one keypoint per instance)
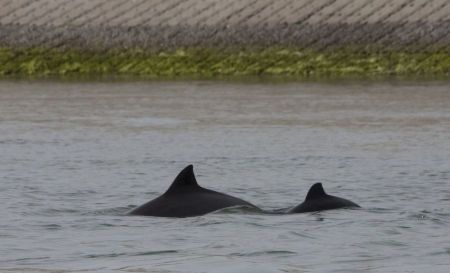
(212, 62)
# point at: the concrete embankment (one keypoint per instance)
(299, 37)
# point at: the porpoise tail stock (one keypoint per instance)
(185, 198)
(317, 200)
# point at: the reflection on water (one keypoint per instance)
(75, 157)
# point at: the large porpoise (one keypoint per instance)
(185, 198)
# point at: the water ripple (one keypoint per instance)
(142, 253)
(280, 253)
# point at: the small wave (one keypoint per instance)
(446, 251)
(208, 222)
(143, 270)
(25, 259)
(282, 211)
(52, 227)
(117, 211)
(142, 253)
(239, 210)
(18, 141)
(302, 235)
(265, 253)
(379, 210)
(361, 260)
(53, 211)
(427, 216)
(36, 270)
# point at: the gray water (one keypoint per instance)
(75, 157)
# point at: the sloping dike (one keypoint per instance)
(225, 37)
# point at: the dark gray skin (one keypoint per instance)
(317, 200)
(185, 198)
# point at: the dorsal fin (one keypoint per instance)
(184, 180)
(315, 191)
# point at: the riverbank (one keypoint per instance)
(179, 38)
(215, 61)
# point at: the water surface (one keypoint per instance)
(76, 156)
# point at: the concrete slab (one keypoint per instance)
(387, 10)
(199, 13)
(75, 12)
(366, 11)
(303, 13)
(347, 11)
(328, 11)
(16, 13)
(222, 11)
(153, 13)
(10, 7)
(178, 14)
(442, 14)
(413, 7)
(426, 12)
(138, 13)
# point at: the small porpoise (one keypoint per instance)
(185, 198)
(317, 200)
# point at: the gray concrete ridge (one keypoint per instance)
(320, 24)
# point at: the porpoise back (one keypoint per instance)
(185, 198)
(317, 200)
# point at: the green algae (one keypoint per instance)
(216, 62)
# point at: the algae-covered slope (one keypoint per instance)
(210, 62)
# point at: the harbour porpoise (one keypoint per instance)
(185, 198)
(317, 200)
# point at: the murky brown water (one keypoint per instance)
(74, 157)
